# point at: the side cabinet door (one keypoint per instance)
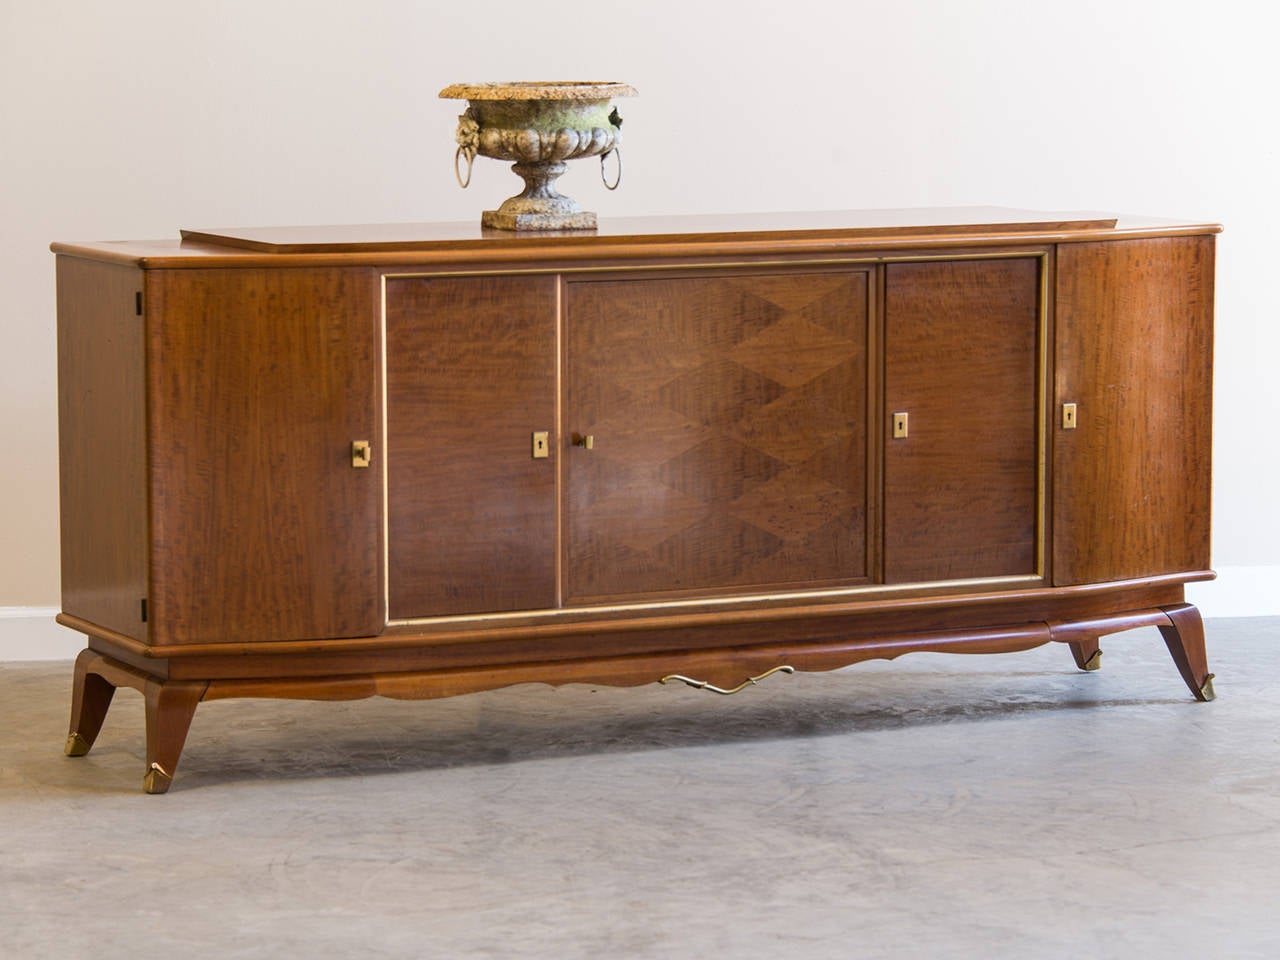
(471, 377)
(961, 363)
(258, 383)
(1134, 353)
(728, 426)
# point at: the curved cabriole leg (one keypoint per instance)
(170, 707)
(1087, 654)
(1184, 636)
(91, 695)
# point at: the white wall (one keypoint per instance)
(132, 119)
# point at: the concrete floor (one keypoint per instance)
(935, 807)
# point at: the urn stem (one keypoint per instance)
(540, 179)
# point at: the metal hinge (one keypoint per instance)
(144, 609)
(137, 303)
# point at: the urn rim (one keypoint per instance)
(539, 90)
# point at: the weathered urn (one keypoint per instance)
(539, 125)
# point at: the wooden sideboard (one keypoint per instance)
(421, 460)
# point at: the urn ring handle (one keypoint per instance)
(615, 152)
(461, 151)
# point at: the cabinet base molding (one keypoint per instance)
(171, 704)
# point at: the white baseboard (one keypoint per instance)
(29, 633)
(1238, 592)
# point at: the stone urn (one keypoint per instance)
(539, 125)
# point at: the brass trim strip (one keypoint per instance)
(560, 479)
(1042, 411)
(877, 334)
(566, 275)
(570, 271)
(745, 600)
(1043, 388)
(386, 481)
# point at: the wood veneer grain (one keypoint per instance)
(102, 444)
(471, 374)
(729, 423)
(1135, 354)
(259, 381)
(960, 490)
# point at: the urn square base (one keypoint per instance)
(582, 220)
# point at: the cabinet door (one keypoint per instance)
(728, 424)
(1134, 352)
(960, 489)
(471, 375)
(258, 382)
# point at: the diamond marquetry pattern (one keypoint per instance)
(794, 351)
(729, 417)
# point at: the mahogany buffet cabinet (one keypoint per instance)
(421, 460)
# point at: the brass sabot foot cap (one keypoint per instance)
(1206, 692)
(156, 780)
(76, 745)
(1094, 662)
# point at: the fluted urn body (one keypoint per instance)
(539, 125)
